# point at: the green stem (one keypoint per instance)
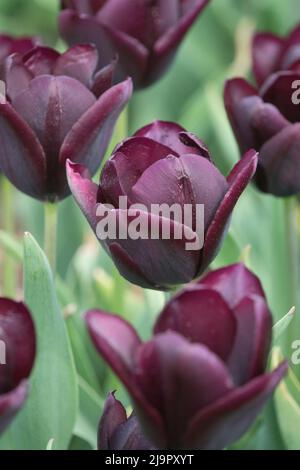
(292, 241)
(50, 234)
(9, 277)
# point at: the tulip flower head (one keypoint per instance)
(117, 432)
(200, 382)
(17, 354)
(58, 108)
(267, 117)
(144, 34)
(162, 164)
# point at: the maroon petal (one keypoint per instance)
(17, 76)
(103, 79)
(79, 62)
(133, 56)
(238, 180)
(226, 420)
(253, 121)
(278, 90)
(279, 163)
(88, 139)
(41, 60)
(201, 316)
(11, 403)
(266, 51)
(27, 169)
(15, 325)
(114, 414)
(167, 373)
(163, 262)
(253, 339)
(170, 135)
(291, 50)
(233, 283)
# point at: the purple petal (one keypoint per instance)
(41, 60)
(17, 76)
(27, 170)
(233, 283)
(266, 51)
(79, 62)
(167, 373)
(103, 79)
(170, 135)
(11, 403)
(291, 50)
(88, 139)
(279, 163)
(279, 91)
(225, 421)
(238, 180)
(15, 325)
(201, 316)
(114, 414)
(253, 339)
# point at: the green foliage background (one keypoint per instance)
(217, 48)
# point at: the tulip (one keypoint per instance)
(117, 432)
(57, 109)
(162, 163)
(266, 117)
(17, 353)
(144, 34)
(10, 45)
(200, 382)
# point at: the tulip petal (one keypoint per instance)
(11, 403)
(41, 60)
(278, 90)
(238, 180)
(253, 121)
(201, 316)
(103, 79)
(130, 437)
(133, 56)
(266, 51)
(154, 256)
(226, 420)
(18, 334)
(253, 339)
(17, 76)
(170, 135)
(114, 414)
(234, 283)
(279, 163)
(27, 169)
(88, 139)
(291, 50)
(166, 373)
(79, 62)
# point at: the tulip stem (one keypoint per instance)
(8, 227)
(292, 241)
(50, 234)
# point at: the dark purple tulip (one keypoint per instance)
(117, 432)
(58, 109)
(10, 45)
(144, 34)
(162, 163)
(267, 117)
(200, 382)
(17, 351)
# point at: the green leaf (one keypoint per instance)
(51, 409)
(280, 327)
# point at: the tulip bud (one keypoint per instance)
(145, 35)
(58, 108)
(200, 382)
(17, 353)
(117, 432)
(266, 117)
(162, 165)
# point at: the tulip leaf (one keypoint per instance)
(51, 409)
(280, 327)
(287, 408)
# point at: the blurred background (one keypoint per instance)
(217, 48)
